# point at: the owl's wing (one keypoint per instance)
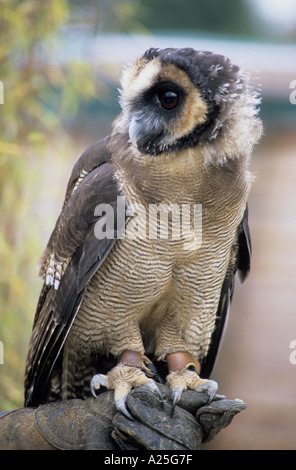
(242, 268)
(72, 256)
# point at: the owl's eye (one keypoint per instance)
(168, 99)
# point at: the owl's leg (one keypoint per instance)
(133, 370)
(183, 367)
(183, 374)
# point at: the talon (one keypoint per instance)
(96, 382)
(121, 406)
(176, 395)
(122, 378)
(151, 370)
(154, 389)
(185, 378)
(210, 387)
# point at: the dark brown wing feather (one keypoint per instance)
(74, 239)
(242, 267)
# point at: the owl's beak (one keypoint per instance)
(145, 133)
(135, 132)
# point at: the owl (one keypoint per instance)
(138, 273)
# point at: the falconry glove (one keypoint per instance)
(95, 424)
(159, 426)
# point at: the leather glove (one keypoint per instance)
(96, 423)
(67, 425)
(157, 426)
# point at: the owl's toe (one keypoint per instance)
(210, 387)
(183, 379)
(183, 374)
(122, 378)
(96, 382)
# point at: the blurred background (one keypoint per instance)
(60, 63)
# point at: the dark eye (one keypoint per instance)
(168, 99)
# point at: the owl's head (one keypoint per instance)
(174, 99)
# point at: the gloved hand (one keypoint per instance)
(157, 426)
(96, 423)
(67, 425)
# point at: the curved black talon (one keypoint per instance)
(153, 369)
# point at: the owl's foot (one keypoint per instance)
(184, 374)
(131, 372)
